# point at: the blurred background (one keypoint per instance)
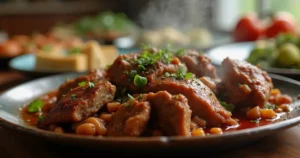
(28, 26)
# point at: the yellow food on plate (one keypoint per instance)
(90, 56)
(46, 62)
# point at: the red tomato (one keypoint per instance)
(248, 28)
(282, 22)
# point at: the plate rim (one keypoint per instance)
(163, 139)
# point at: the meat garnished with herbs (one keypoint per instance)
(198, 64)
(244, 84)
(202, 100)
(131, 119)
(93, 76)
(161, 92)
(80, 102)
(171, 113)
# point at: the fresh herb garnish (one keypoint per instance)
(180, 52)
(132, 73)
(83, 83)
(140, 96)
(139, 81)
(254, 121)
(91, 84)
(210, 94)
(130, 97)
(227, 106)
(141, 68)
(35, 106)
(181, 73)
(268, 106)
(167, 74)
(73, 96)
(41, 118)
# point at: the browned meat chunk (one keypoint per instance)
(198, 64)
(131, 119)
(201, 99)
(171, 113)
(79, 103)
(93, 76)
(212, 84)
(244, 84)
(125, 67)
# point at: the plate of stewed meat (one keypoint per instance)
(155, 98)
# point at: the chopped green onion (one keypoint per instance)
(141, 68)
(188, 75)
(91, 84)
(73, 96)
(254, 121)
(130, 97)
(74, 51)
(41, 118)
(180, 52)
(139, 81)
(35, 106)
(227, 106)
(83, 83)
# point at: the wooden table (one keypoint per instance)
(284, 144)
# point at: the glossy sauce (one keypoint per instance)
(50, 99)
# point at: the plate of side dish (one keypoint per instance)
(280, 55)
(156, 99)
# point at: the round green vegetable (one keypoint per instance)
(289, 55)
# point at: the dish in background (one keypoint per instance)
(10, 103)
(105, 27)
(194, 38)
(241, 51)
(26, 63)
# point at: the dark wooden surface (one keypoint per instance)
(284, 144)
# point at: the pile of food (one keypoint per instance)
(281, 52)
(105, 26)
(251, 28)
(196, 37)
(85, 56)
(160, 92)
(24, 44)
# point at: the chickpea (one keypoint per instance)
(254, 113)
(283, 99)
(215, 130)
(106, 117)
(284, 107)
(278, 110)
(113, 107)
(99, 125)
(198, 132)
(275, 91)
(58, 130)
(267, 113)
(86, 129)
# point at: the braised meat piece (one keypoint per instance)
(93, 76)
(172, 114)
(212, 84)
(122, 72)
(80, 102)
(198, 64)
(201, 99)
(244, 84)
(131, 119)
